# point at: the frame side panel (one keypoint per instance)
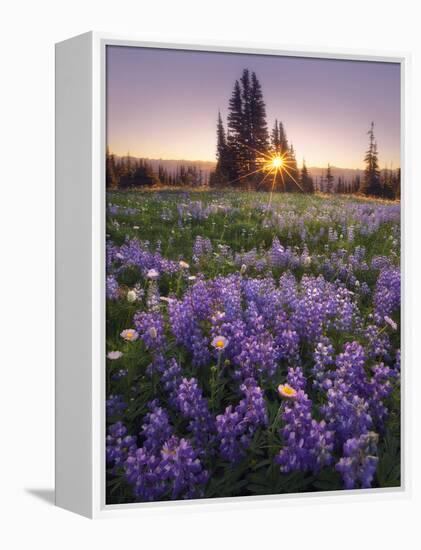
(73, 274)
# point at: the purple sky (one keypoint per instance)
(164, 103)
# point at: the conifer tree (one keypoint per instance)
(329, 180)
(371, 181)
(235, 131)
(274, 138)
(397, 183)
(387, 186)
(283, 141)
(258, 126)
(246, 126)
(111, 175)
(248, 137)
(223, 170)
(321, 184)
(292, 178)
(306, 181)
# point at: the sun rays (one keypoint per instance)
(273, 166)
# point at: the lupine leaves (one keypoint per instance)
(266, 357)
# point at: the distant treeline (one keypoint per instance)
(245, 146)
(127, 172)
(387, 183)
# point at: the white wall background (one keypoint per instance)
(28, 32)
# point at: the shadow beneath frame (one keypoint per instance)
(47, 495)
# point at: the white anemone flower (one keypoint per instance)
(113, 355)
(152, 274)
(391, 322)
(129, 334)
(220, 343)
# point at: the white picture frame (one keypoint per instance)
(80, 276)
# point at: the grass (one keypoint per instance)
(169, 221)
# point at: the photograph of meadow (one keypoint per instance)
(252, 275)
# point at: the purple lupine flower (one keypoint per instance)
(121, 373)
(185, 320)
(380, 262)
(288, 344)
(378, 343)
(171, 376)
(359, 462)
(398, 360)
(237, 426)
(150, 327)
(201, 247)
(191, 404)
(115, 405)
(307, 443)
(296, 378)
(347, 410)
(112, 288)
(156, 427)
(175, 472)
(321, 304)
(387, 295)
(134, 253)
(119, 445)
(355, 402)
(182, 469)
(323, 360)
(143, 472)
(380, 389)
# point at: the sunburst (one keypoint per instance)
(272, 164)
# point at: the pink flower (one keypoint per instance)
(113, 355)
(152, 274)
(130, 335)
(285, 390)
(220, 342)
(391, 322)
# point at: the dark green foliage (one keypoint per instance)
(306, 181)
(224, 160)
(240, 152)
(329, 180)
(371, 182)
(291, 177)
(243, 228)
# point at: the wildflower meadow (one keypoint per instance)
(252, 343)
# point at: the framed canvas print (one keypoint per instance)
(229, 321)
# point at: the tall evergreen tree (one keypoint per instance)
(387, 186)
(397, 183)
(274, 138)
(223, 170)
(329, 180)
(236, 131)
(258, 126)
(248, 137)
(306, 181)
(356, 184)
(279, 141)
(321, 184)
(292, 178)
(246, 127)
(371, 181)
(111, 174)
(283, 141)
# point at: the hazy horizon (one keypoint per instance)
(163, 104)
(213, 161)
